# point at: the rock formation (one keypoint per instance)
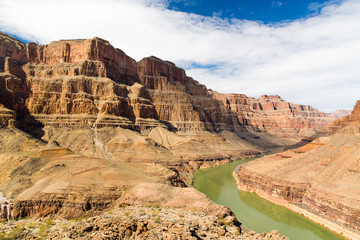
(339, 114)
(6, 208)
(85, 127)
(89, 83)
(79, 117)
(274, 115)
(322, 175)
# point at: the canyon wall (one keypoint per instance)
(84, 126)
(322, 175)
(69, 78)
(274, 115)
(87, 83)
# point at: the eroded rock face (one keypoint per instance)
(6, 208)
(90, 77)
(323, 175)
(355, 115)
(116, 64)
(68, 78)
(11, 47)
(102, 127)
(274, 115)
(7, 117)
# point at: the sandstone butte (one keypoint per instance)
(84, 127)
(321, 178)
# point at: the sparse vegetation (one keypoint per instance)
(14, 233)
(157, 220)
(133, 220)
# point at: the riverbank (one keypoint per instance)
(254, 212)
(331, 225)
(316, 218)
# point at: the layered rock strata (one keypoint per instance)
(92, 78)
(323, 175)
(7, 117)
(89, 83)
(100, 129)
(276, 116)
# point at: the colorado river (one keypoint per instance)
(254, 212)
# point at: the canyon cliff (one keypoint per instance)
(85, 127)
(322, 176)
(274, 115)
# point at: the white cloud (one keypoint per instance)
(277, 4)
(310, 61)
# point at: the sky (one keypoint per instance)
(267, 11)
(306, 51)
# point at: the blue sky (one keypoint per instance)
(306, 51)
(267, 11)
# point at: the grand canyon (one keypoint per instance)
(87, 132)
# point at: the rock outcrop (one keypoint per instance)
(11, 47)
(6, 208)
(274, 115)
(355, 115)
(7, 117)
(135, 222)
(322, 175)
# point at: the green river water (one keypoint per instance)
(254, 212)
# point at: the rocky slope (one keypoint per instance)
(274, 115)
(323, 175)
(130, 222)
(85, 127)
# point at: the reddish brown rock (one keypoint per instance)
(103, 126)
(355, 115)
(274, 115)
(69, 78)
(116, 64)
(323, 175)
(13, 48)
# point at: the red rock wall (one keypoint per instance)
(63, 79)
(91, 77)
(273, 114)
